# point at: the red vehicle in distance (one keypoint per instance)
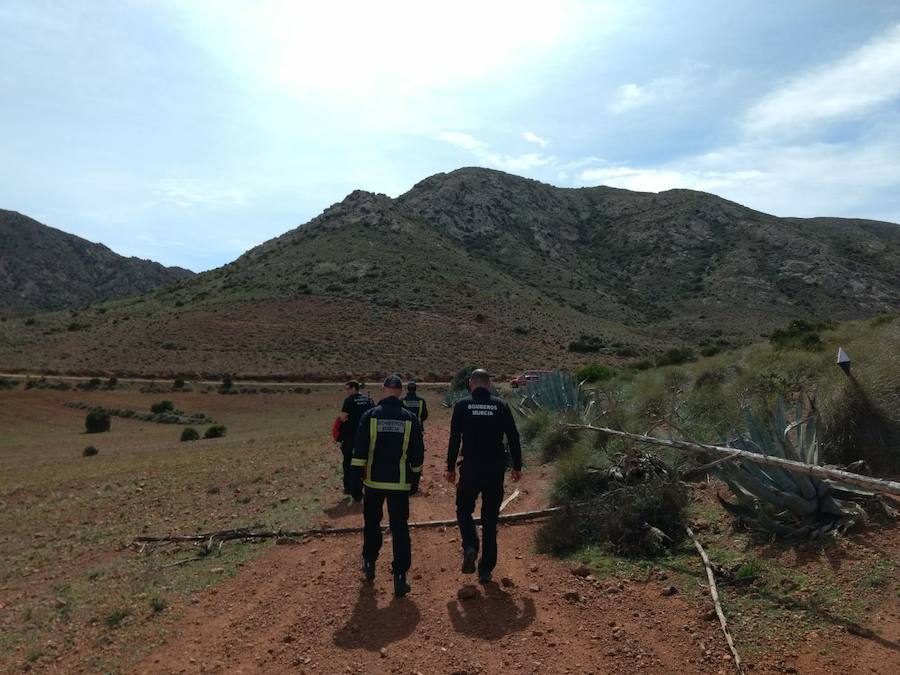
(528, 376)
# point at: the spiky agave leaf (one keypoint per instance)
(557, 392)
(781, 502)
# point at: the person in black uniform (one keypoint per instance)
(387, 462)
(353, 408)
(480, 421)
(416, 403)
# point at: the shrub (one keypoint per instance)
(675, 357)
(189, 434)
(178, 384)
(593, 373)
(461, 379)
(639, 520)
(112, 382)
(586, 344)
(162, 407)
(216, 431)
(800, 334)
(556, 439)
(158, 605)
(89, 451)
(114, 618)
(97, 421)
(8, 384)
(227, 382)
(532, 427)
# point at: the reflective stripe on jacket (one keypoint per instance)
(389, 446)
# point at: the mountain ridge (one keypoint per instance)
(43, 268)
(480, 266)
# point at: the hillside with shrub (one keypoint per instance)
(481, 266)
(44, 269)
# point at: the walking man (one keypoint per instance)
(387, 465)
(416, 403)
(355, 404)
(480, 421)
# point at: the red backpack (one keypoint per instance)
(336, 429)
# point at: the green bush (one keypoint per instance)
(162, 407)
(216, 431)
(556, 439)
(803, 335)
(532, 427)
(675, 357)
(97, 421)
(190, 434)
(594, 373)
(635, 520)
(461, 379)
(586, 344)
(89, 451)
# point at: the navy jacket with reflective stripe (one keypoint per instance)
(389, 447)
(416, 404)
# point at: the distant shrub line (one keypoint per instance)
(176, 417)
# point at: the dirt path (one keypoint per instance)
(304, 609)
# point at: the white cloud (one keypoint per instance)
(849, 87)
(632, 96)
(191, 193)
(481, 150)
(353, 47)
(835, 179)
(463, 140)
(657, 180)
(534, 138)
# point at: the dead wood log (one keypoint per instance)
(878, 485)
(714, 593)
(219, 536)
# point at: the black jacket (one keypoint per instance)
(480, 422)
(354, 405)
(389, 449)
(416, 404)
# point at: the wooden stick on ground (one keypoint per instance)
(878, 485)
(508, 500)
(714, 592)
(229, 535)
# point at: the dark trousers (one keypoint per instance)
(347, 452)
(488, 482)
(398, 517)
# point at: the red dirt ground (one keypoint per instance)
(304, 609)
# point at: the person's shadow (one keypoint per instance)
(371, 627)
(491, 614)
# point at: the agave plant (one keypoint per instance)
(785, 503)
(556, 392)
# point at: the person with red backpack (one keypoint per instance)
(345, 426)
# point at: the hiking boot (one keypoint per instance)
(368, 569)
(401, 586)
(469, 555)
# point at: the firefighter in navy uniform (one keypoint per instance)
(387, 466)
(480, 421)
(416, 403)
(351, 411)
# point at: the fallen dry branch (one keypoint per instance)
(878, 485)
(221, 536)
(714, 592)
(509, 499)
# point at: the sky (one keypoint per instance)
(189, 131)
